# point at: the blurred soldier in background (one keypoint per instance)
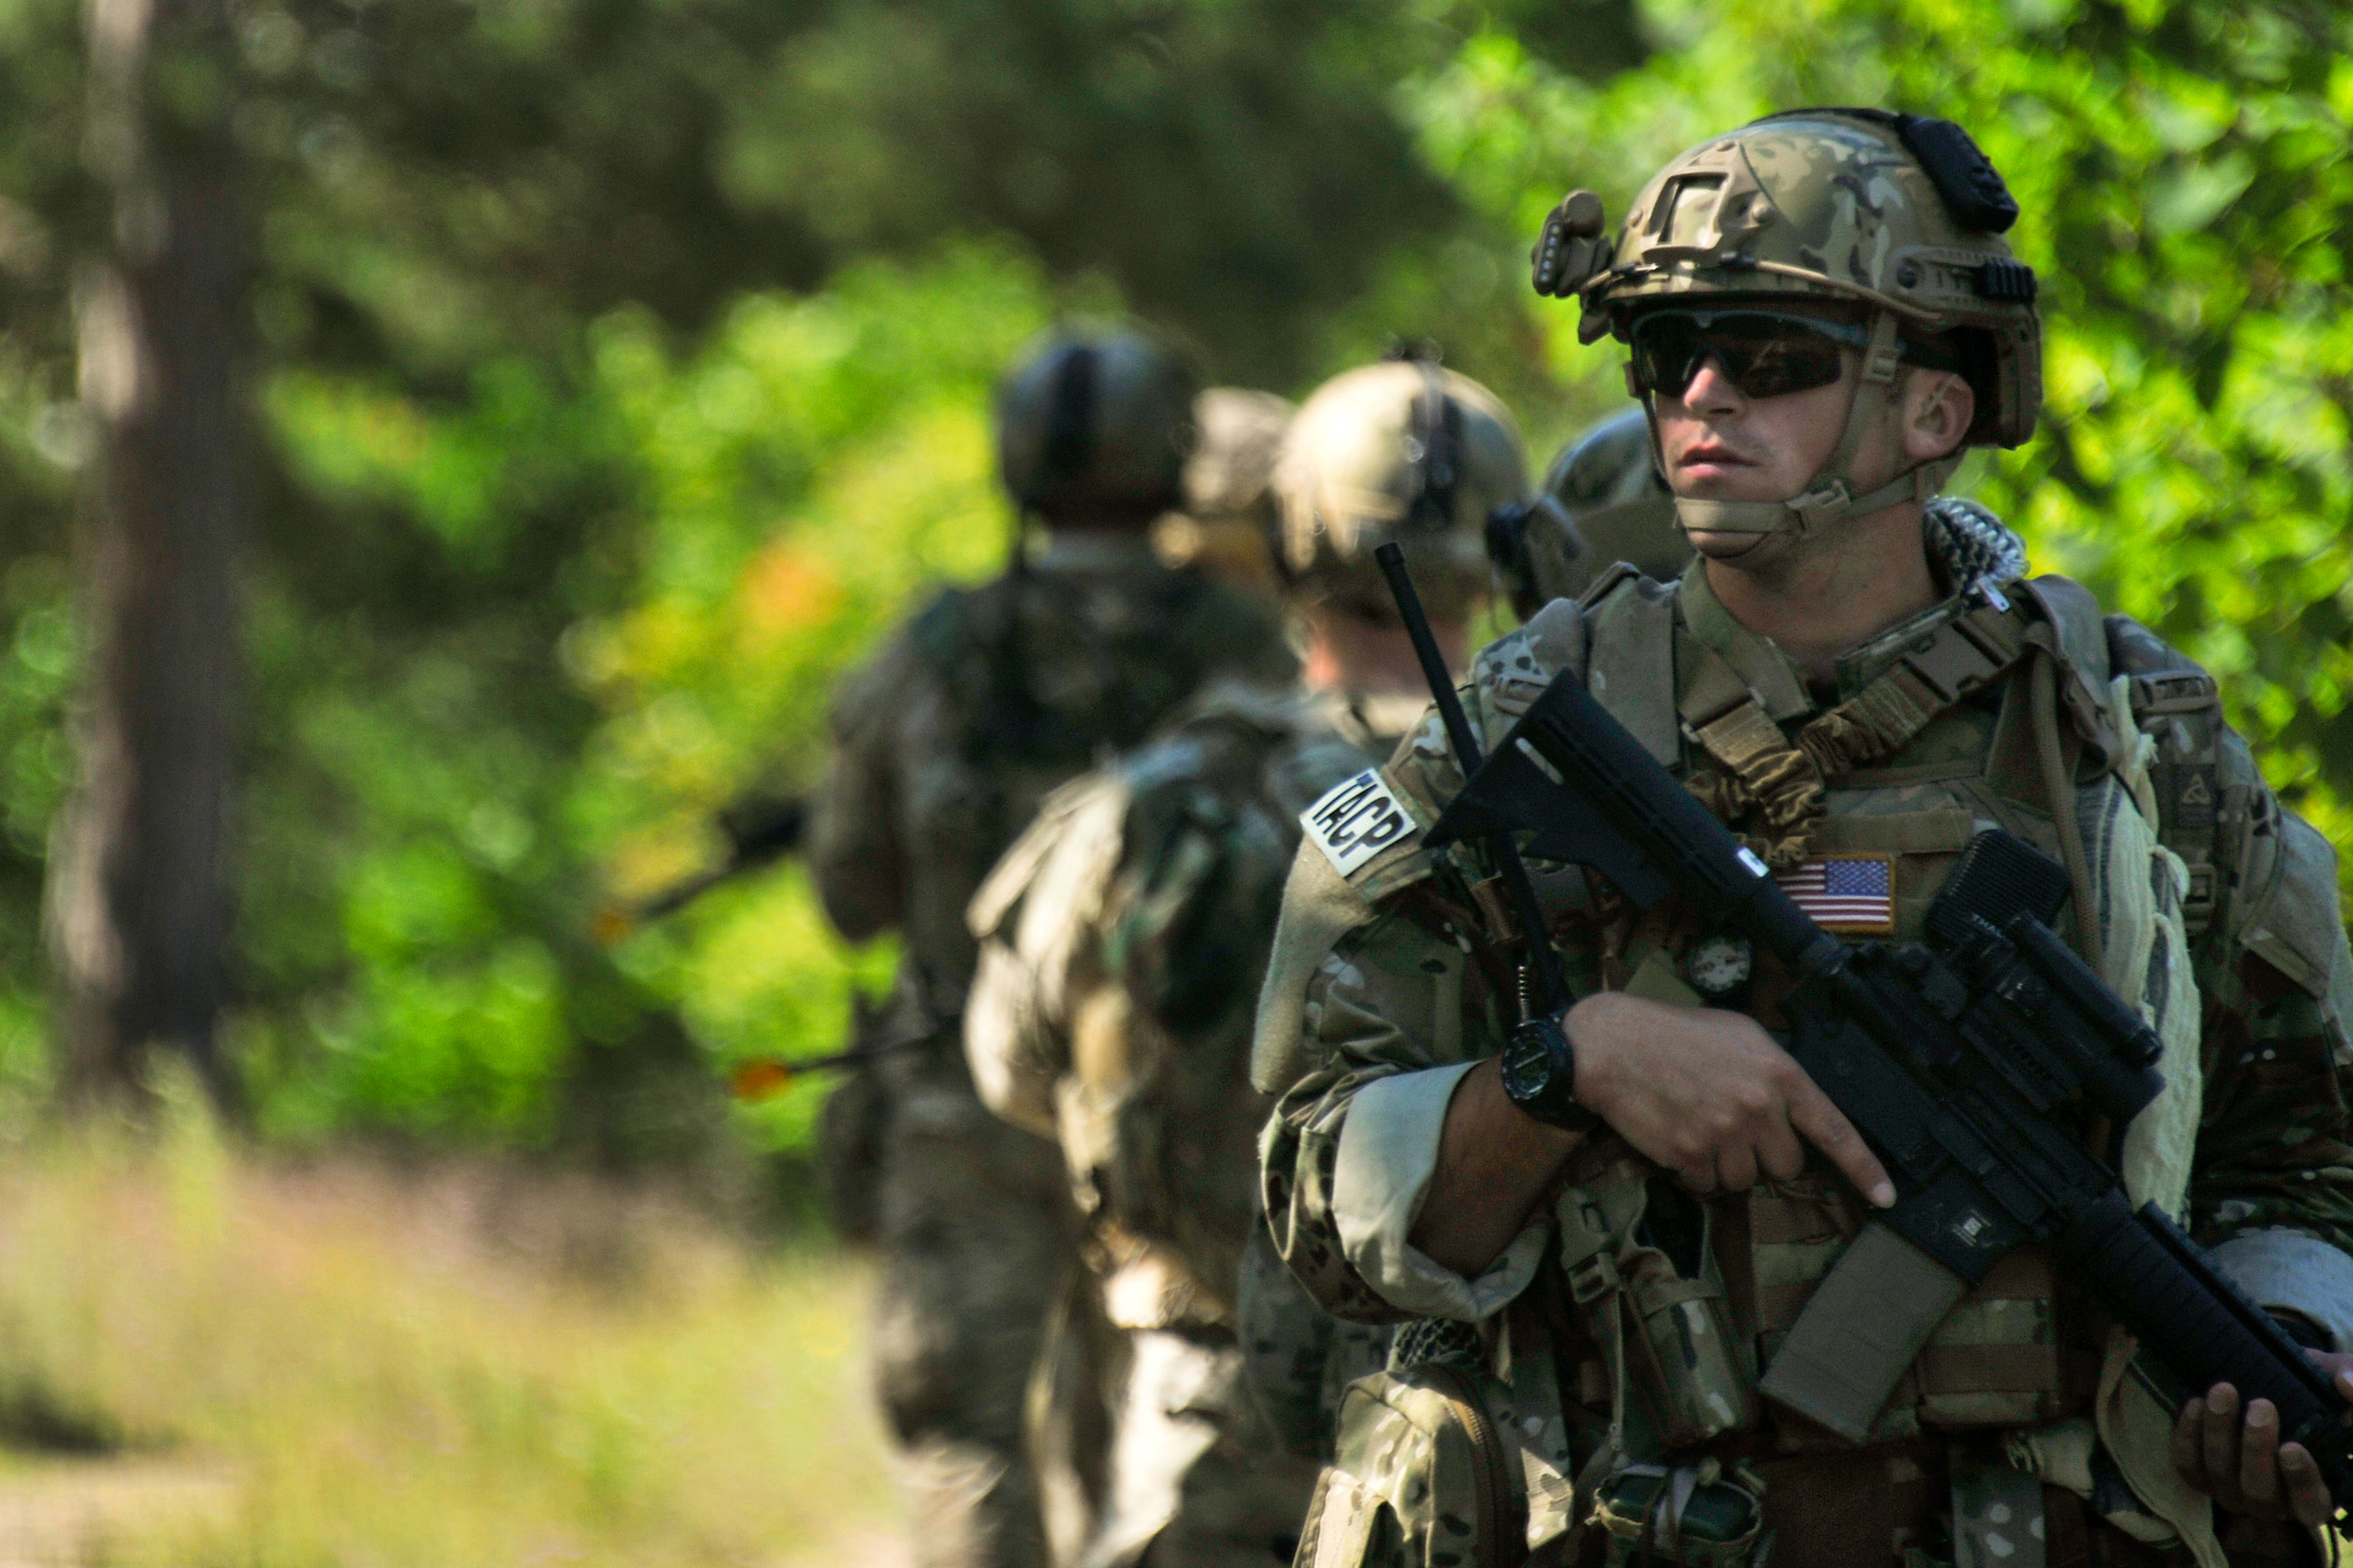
(1229, 517)
(1123, 941)
(1227, 530)
(1602, 501)
(945, 741)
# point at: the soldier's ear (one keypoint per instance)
(1938, 406)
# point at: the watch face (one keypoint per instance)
(1718, 964)
(1527, 1061)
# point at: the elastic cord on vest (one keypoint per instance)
(1830, 495)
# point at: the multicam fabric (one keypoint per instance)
(1123, 937)
(947, 741)
(1389, 990)
(943, 744)
(1815, 204)
(1404, 453)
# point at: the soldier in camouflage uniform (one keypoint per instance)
(1123, 939)
(944, 742)
(1602, 501)
(1857, 677)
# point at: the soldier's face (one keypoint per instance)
(1720, 444)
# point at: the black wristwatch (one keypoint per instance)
(1540, 1075)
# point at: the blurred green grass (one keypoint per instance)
(454, 1365)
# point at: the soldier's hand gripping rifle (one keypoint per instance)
(1961, 1063)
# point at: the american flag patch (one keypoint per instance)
(1852, 893)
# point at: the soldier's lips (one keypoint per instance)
(1711, 461)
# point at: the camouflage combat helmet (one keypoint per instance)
(1403, 451)
(1896, 214)
(1096, 422)
(1602, 501)
(1229, 519)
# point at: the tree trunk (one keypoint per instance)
(139, 897)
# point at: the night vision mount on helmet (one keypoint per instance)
(1898, 215)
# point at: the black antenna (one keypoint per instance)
(1543, 963)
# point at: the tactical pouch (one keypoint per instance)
(1422, 1479)
(1700, 1515)
(1659, 1312)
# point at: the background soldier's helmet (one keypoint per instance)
(1602, 501)
(1403, 451)
(1096, 422)
(1897, 215)
(1229, 518)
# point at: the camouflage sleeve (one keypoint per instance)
(2275, 1147)
(1389, 1010)
(2272, 1188)
(854, 851)
(1038, 917)
(1350, 1147)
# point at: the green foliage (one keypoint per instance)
(2186, 193)
(621, 371)
(775, 494)
(815, 465)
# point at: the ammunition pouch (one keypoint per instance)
(1422, 1477)
(1664, 1328)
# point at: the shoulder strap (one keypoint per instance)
(1604, 585)
(1779, 782)
(2068, 622)
(2071, 611)
(1630, 659)
(2180, 706)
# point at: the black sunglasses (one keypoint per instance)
(1764, 353)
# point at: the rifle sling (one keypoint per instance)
(1780, 782)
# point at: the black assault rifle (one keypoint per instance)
(1961, 1062)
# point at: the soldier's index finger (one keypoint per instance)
(1825, 1126)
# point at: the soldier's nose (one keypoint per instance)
(1710, 389)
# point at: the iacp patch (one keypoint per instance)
(1355, 820)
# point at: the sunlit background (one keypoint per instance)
(618, 371)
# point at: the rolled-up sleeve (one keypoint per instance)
(1389, 1148)
(1347, 1155)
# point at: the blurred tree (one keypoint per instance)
(1591, 39)
(1238, 168)
(472, 218)
(140, 894)
(623, 364)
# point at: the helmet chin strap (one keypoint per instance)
(1829, 496)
